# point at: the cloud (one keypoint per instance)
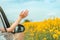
(51, 14)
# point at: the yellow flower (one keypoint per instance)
(51, 30)
(57, 32)
(55, 36)
(44, 38)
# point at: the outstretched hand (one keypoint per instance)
(23, 14)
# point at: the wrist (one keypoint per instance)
(20, 17)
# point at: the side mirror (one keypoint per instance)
(20, 28)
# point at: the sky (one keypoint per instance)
(38, 9)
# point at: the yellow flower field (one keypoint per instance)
(45, 30)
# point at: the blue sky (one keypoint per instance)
(38, 9)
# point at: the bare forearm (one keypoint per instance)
(12, 27)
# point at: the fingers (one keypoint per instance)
(24, 13)
(21, 12)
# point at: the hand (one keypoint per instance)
(23, 14)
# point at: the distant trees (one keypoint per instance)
(27, 20)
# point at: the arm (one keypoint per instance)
(22, 15)
(12, 27)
